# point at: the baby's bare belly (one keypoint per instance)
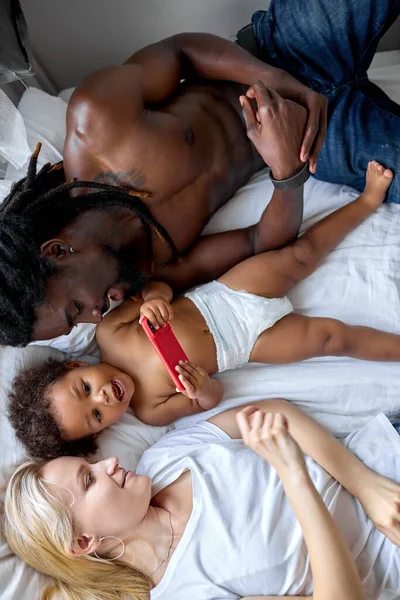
(194, 336)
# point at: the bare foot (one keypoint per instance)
(378, 180)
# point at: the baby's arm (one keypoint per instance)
(202, 393)
(143, 305)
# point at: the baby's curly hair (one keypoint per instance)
(30, 413)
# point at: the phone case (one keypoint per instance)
(167, 347)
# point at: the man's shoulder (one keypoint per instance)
(106, 100)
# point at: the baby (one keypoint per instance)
(243, 317)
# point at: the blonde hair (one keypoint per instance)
(39, 529)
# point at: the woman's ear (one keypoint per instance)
(85, 544)
(76, 364)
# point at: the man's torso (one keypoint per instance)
(191, 154)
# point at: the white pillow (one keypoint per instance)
(44, 118)
(17, 579)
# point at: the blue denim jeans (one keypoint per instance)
(329, 45)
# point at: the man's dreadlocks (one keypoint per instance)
(37, 208)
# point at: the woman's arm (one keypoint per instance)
(333, 569)
(379, 496)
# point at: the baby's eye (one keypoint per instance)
(89, 480)
(85, 387)
(97, 415)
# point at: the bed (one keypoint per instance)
(358, 283)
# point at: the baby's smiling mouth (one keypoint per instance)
(118, 390)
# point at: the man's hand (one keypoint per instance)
(198, 385)
(317, 109)
(380, 499)
(276, 128)
(158, 311)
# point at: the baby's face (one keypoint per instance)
(89, 398)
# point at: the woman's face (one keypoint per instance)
(103, 498)
(89, 398)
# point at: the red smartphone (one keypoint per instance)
(167, 347)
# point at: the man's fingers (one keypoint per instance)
(269, 91)
(310, 135)
(319, 141)
(264, 94)
(248, 115)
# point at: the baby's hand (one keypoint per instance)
(158, 311)
(268, 435)
(198, 385)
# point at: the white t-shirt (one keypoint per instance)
(242, 538)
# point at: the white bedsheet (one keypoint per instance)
(359, 283)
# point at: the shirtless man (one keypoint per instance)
(140, 127)
(189, 147)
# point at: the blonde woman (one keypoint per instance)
(214, 517)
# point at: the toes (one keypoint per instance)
(388, 173)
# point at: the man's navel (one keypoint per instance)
(189, 136)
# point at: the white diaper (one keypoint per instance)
(236, 319)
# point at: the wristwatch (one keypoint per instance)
(292, 182)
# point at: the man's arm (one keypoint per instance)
(152, 75)
(210, 57)
(213, 255)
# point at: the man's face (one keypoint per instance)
(81, 290)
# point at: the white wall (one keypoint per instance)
(71, 38)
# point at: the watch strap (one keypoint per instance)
(294, 181)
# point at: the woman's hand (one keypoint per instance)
(268, 435)
(158, 312)
(276, 128)
(198, 385)
(380, 499)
